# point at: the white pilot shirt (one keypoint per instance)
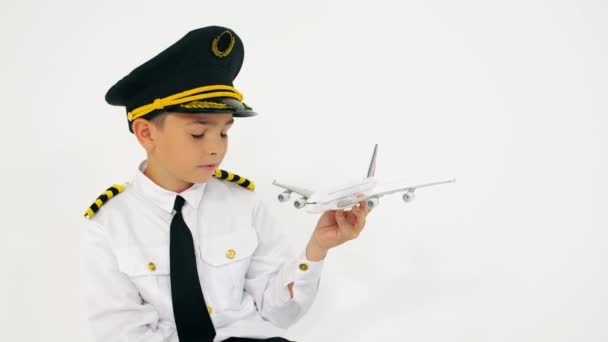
(243, 262)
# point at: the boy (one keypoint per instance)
(187, 252)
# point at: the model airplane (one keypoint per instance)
(349, 194)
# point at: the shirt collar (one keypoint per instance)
(162, 197)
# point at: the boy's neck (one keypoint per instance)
(163, 178)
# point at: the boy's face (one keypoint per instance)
(187, 148)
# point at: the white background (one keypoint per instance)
(509, 97)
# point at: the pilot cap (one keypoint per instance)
(194, 75)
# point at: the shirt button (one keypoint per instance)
(303, 267)
(151, 266)
(209, 309)
(230, 254)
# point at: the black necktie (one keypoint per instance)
(189, 307)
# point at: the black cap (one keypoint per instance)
(194, 75)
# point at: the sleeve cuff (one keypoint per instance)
(300, 270)
(305, 275)
(306, 270)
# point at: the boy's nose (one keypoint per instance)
(214, 147)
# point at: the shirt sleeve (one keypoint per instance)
(116, 312)
(273, 267)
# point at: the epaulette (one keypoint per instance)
(103, 198)
(231, 177)
(118, 188)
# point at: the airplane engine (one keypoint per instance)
(373, 202)
(299, 203)
(408, 196)
(284, 196)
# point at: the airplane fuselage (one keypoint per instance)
(350, 194)
(340, 197)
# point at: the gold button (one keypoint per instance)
(303, 267)
(230, 254)
(151, 266)
(209, 309)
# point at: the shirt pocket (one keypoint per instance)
(148, 268)
(226, 259)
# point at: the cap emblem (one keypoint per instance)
(221, 40)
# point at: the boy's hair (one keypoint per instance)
(158, 119)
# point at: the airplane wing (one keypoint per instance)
(301, 191)
(402, 189)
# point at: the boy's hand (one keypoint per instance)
(334, 228)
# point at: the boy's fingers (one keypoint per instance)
(364, 207)
(361, 215)
(351, 217)
(356, 224)
(359, 222)
(344, 224)
(351, 222)
(362, 211)
(340, 219)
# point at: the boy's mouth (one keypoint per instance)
(209, 166)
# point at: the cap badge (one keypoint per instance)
(221, 40)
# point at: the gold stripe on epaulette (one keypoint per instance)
(103, 198)
(234, 178)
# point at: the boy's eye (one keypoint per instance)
(199, 136)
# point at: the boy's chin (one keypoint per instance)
(201, 178)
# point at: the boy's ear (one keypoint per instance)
(145, 131)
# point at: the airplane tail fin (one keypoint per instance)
(372, 165)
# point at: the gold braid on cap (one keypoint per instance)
(200, 93)
(231, 177)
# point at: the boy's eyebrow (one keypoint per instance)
(211, 123)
